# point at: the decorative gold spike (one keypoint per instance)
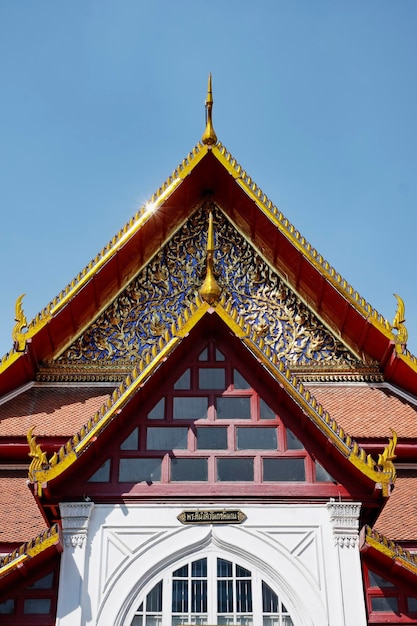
(398, 323)
(385, 460)
(19, 339)
(210, 290)
(39, 460)
(209, 137)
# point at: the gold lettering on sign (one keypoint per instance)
(212, 517)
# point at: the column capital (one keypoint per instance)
(75, 517)
(344, 518)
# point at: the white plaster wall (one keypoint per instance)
(292, 546)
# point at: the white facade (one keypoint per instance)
(115, 554)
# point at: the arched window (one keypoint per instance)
(211, 590)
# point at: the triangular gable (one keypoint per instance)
(376, 477)
(209, 171)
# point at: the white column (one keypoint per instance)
(344, 518)
(75, 517)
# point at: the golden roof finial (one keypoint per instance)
(210, 289)
(19, 339)
(39, 460)
(209, 137)
(385, 460)
(398, 324)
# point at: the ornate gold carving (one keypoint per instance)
(385, 460)
(209, 137)
(19, 338)
(133, 324)
(39, 459)
(398, 323)
(210, 290)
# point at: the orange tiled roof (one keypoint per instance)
(20, 517)
(367, 411)
(398, 519)
(55, 411)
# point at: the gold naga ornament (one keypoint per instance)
(401, 337)
(19, 337)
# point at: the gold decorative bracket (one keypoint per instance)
(385, 460)
(209, 137)
(39, 459)
(398, 323)
(19, 337)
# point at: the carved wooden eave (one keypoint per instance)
(396, 561)
(28, 557)
(377, 479)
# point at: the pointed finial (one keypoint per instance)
(209, 137)
(210, 289)
(18, 336)
(399, 325)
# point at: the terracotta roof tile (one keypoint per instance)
(54, 410)
(367, 411)
(20, 518)
(398, 519)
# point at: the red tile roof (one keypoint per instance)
(399, 517)
(54, 410)
(367, 411)
(20, 518)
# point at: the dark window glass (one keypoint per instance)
(256, 438)
(43, 583)
(212, 438)
(284, 470)
(131, 442)
(211, 378)
(412, 605)
(224, 568)
(239, 382)
(7, 607)
(37, 606)
(184, 381)
(180, 596)
(198, 596)
(292, 442)
(190, 470)
(102, 475)
(203, 355)
(244, 596)
(233, 408)
(219, 355)
(182, 572)
(235, 470)
(384, 604)
(199, 568)
(241, 572)
(269, 599)
(377, 581)
(225, 596)
(158, 411)
(266, 413)
(138, 470)
(190, 408)
(166, 438)
(323, 475)
(154, 599)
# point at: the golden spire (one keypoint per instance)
(210, 289)
(209, 137)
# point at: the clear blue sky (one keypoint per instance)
(100, 100)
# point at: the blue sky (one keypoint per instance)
(100, 100)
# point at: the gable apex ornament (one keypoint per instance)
(209, 137)
(210, 290)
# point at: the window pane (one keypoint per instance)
(7, 607)
(211, 378)
(412, 604)
(203, 355)
(233, 408)
(244, 596)
(384, 604)
(256, 438)
(158, 411)
(239, 382)
(269, 599)
(37, 606)
(219, 355)
(180, 596)
(43, 583)
(138, 470)
(199, 568)
(191, 470)
(154, 599)
(166, 438)
(224, 596)
(266, 412)
(190, 408)
(377, 581)
(131, 442)
(241, 572)
(184, 381)
(182, 572)
(198, 596)
(323, 475)
(224, 568)
(213, 438)
(284, 470)
(292, 442)
(237, 470)
(102, 475)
